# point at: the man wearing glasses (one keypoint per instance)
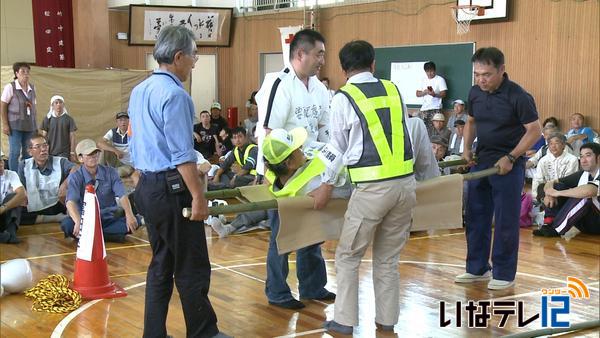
(108, 186)
(45, 178)
(162, 115)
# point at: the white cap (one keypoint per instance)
(216, 105)
(438, 117)
(459, 101)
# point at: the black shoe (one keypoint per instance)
(291, 304)
(386, 328)
(546, 231)
(117, 238)
(330, 296)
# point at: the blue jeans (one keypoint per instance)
(18, 142)
(499, 196)
(310, 269)
(113, 226)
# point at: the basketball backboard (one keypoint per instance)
(494, 9)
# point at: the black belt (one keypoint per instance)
(157, 175)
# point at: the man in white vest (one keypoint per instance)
(45, 180)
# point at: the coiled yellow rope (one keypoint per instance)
(52, 294)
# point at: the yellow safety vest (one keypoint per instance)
(293, 185)
(380, 160)
(236, 153)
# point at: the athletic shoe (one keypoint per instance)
(546, 231)
(496, 284)
(332, 325)
(470, 278)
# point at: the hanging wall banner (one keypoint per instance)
(211, 26)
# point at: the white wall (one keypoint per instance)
(203, 81)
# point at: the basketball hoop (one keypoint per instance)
(463, 15)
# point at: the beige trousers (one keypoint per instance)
(380, 213)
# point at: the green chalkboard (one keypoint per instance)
(453, 63)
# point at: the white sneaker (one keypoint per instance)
(496, 284)
(470, 278)
(571, 233)
(222, 229)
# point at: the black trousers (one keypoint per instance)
(178, 250)
(28, 218)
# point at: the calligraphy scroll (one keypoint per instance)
(211, 26)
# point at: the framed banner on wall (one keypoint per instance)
(211, 26)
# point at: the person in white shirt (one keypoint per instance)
(573, 202)
(116, 141)
(557, 163)
(433, 90)
(12, 195)
(296, 98)
(331, 92)
(533, 161)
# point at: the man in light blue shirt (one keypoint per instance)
(161, 116)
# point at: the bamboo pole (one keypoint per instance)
(272, 204)
(222, 194)
(446, 164)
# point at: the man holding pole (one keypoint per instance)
(297, 99)
(369, 136)
(161, 111)
(505, 119)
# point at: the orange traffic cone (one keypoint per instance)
(91, 271)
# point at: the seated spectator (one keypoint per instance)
(286, 163)
(551, 121)
(59, 128)
(250, 122)
(526, 215)
(579, 134)
(115, 143)
(12, 196)
(205, 136)
(458, 114)
(244, 154)
(574, 201)
(556, 164)
(532, 162)
(439, 146)
(215, 116)
(439, 128)
(224, 144)
(456, 140)
(45, 179)
(108, 187)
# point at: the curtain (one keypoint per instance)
(53, 33)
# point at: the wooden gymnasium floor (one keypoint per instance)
(429, 264)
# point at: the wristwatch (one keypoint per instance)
(511, 158)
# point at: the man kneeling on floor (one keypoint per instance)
(573, 202)
(108, 186)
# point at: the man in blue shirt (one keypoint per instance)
(161, 115)
(504, 118)
(108, 186)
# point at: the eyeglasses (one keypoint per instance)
(195, 57)
(39, 146)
